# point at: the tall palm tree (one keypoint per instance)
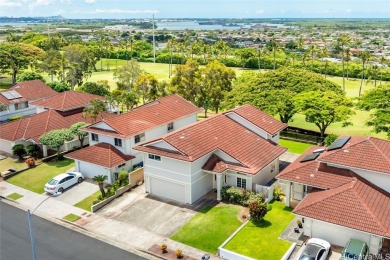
(275, 47)
(343, 41)
(324, 52)
(364, 56)
(348, 55)
(100, 181)
(300, 44)
(382, 61)
(312, 51)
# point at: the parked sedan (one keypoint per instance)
(315, 249)
(63, 181)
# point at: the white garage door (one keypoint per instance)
(6, 146)
(90, 170)
(167, 189)
(335, 234)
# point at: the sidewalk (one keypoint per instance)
(124, 235)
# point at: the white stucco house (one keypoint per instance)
(116, 136)
(19, 97)
(237, 148)
(344, 191)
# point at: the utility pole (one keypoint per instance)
(154, 44)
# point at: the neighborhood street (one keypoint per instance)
(52, 241)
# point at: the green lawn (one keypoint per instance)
(15, 196)
(86, 203)
(208, 229)
(34, 179)
(294, 147)
(260, 241)
(8, 163)
(72, 217)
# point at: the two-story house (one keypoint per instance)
(55, 112)
(18, 98)
(112, 139)
(236, 148)
(343, 191)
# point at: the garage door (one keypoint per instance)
(336, 234)
(167, 189)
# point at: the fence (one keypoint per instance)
(303, 135)
(136, 177)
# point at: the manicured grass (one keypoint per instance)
(294, 147)
(86, 203)
(8, 163)
(72, 217)
(260, 240)
(208, 229)
(15, 196)
(352, 85)
(34, 179)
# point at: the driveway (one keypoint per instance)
(163, 217)
(77, 192)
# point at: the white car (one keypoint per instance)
(314, 249)
(63, 181)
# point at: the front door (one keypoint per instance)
(297, 191)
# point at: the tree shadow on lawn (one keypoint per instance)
(262, 223)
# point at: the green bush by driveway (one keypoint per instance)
(260, 240)
(208, 229)
(34, 179)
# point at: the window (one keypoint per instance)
(22, 105)
(121, 165)
(170, 126)
(155, 157)
(139, 138)
(95, 137)
(118, 142)
(241, 183)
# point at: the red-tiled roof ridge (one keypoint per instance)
(20, 122)
(214, 164)
(63, 100)
(371, 139)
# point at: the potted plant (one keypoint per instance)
(299, 224)
(179, 253)
(163, 248)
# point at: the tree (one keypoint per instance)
(217, 80)
(273, 91)
(59, 86)
(129, 99)
(377, 99)
(364, 56)
(15, 57)
(312, 51)
(187, 80)
(95, 108)
(33, 150)
(51, 63)
(324, 52)
(100, 88)
(19, 151)
(26, 76)
(76, 130)
(257, 210)
(3, 107)
(245, 54)
(324, 108)
(127, 75)
(274, 47)
(146, 87)
(100, 180)
(56, 138)
(343, 41)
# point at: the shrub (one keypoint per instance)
(30, 162)
(257, 210)
(12, 118)
(278, 192)
(329, 139)
(33, 150)
(29, 76)
(19, 150)
(59, 86)
(179, 253)
(240, 196)
(123, 178)
(163, 248)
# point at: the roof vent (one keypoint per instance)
(321, 150)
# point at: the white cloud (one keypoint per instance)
(90, 1)
(260, 11)
(349, 10)
(9, 3)
(120, 11)
(38, 3)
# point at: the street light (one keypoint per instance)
(29, 214)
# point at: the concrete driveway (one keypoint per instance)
(77, 192)
(162, 217)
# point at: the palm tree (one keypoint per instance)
(275, 47)
(382, 61)
(364, 56)
(312, 51)
(343, 41)
(324, 52)
(374, 73)
(348, 55)
(300, 44)
(100, 180)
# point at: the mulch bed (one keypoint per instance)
(169, 253)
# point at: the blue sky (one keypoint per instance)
(198, 8)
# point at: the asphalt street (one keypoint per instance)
(52, 241)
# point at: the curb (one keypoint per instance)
(82, 230)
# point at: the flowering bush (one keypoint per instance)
(30, 162)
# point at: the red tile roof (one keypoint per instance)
(216, 164)
(102, 154)
(358, 204)
(314, 173)
(368, 153)
(67, 100)
(259, 118)
(223, 133)
(34, 126)
(29, 90)
(156, 113)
